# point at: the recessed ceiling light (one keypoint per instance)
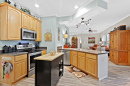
(76, 7)
(36, 5)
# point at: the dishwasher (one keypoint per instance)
(66, 57)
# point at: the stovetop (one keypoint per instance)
(29, 51)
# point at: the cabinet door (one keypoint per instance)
(24, 67)
(39, 31)
(74, 60)
(14, 24)
(115, 41)
(123, 40)
(111, 55)
(123, 57)
(81, 62)
(91, 66)
(20, 69)
(115, 57)
(33, 24)
(25, 21)
(111, 41)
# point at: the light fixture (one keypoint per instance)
(36, 5)
(76, 7)
(66, 36)
(83, 22)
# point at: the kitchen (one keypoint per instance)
(33, 41)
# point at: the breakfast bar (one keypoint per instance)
(92, 62)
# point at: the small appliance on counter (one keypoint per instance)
(5, 49)
(9, 49)
(37, 45)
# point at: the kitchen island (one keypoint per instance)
(92, 62)
(48, 69)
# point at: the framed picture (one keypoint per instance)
(91, 40)
(48, 36)
(58, 34)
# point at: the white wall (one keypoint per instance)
(125, 21)
(84, 39)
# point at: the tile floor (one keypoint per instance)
(117, 76)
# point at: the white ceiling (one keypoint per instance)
(117, 9)
(53, 7)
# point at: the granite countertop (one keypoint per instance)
(14, 53)
(48, 57)
(87, 51)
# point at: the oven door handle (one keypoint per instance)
(31, 54)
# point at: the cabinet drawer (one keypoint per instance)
(20, 57)
(91, 56)
(81, 54)
(74, 53)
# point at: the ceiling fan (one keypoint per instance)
(90, 30)
(83, 22)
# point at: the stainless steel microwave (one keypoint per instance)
(28, 34)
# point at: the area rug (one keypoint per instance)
(75, 71)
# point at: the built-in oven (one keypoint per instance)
(28, 34)
(31, 62)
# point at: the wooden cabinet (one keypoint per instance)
(14, 24)
(111, 41)
(20, 67)
(74, 58)
(115, 40)
(25, 21)
(123, 57)
(39, 31)
(43, 52)
(81, 61)
(33, 24)
(120, 47)
(123, 40)
(114, 56)
(91, 64)
(13, 19)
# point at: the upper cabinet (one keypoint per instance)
(13, 19)
(39, 31)
(25, 21)
(14, 24)
(33, 23)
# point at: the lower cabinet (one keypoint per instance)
(74, 58)
(123, 57)
(81, 61)
(85, 62)
(119, 57)
(91, 66)
(114, 56)
(20, 69)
